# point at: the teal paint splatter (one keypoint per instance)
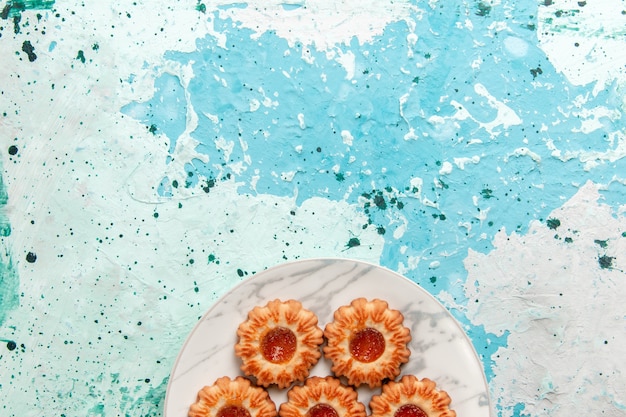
(151, 404)
(353, 242)
(483, 9)
(28, 48)
(601, 243)
(14, 9)
(486, 193)
(5, 227)
(81, 56)
(606, 262)
(553, 223)
(201, 7)
(9, 282)
(96, 410)
(9, 285)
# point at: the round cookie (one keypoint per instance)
(279, 343)
(232, 398)
(367, 342)
(322, 397)
(411, 397)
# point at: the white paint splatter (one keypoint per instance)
(523, 151)
(347, 137)
(320, 24)
(505, 116)
(559, 292)
(411, 263)
(585, 40)
(516, 46)
(254, 105)
(348, 62)
(446, 168)
(616, 150)
(288, 175)
(461, 162)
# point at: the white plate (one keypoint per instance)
(440, 350)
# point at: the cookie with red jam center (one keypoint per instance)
(232, 398)
(367, 342)
(322, 397)
(279, 343)
(411, 397)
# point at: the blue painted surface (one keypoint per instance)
(244, 85)
(367, 106)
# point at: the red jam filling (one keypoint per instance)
(233, 411)
(367, 345)
(321, 410)
(409, 410)
(278, 345)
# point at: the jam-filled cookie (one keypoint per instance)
(279, 343)
(322, 397)
(367, 342)
(232, 398)
(411, 397)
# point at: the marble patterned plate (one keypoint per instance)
(440, 350)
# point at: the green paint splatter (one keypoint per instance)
(5, 227)
(353, 242)
(486, 193)
(151, 404)
(9, 281)
(601, 243)
(81, 56)
(210, 183)
(483, 9)
(9, 286)
(96, 410)
(201, 7)
(606, 262)
(379, 201)
(566, 13)
(28, 48)
(536, 71)
(553, 223)
(15, 8)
